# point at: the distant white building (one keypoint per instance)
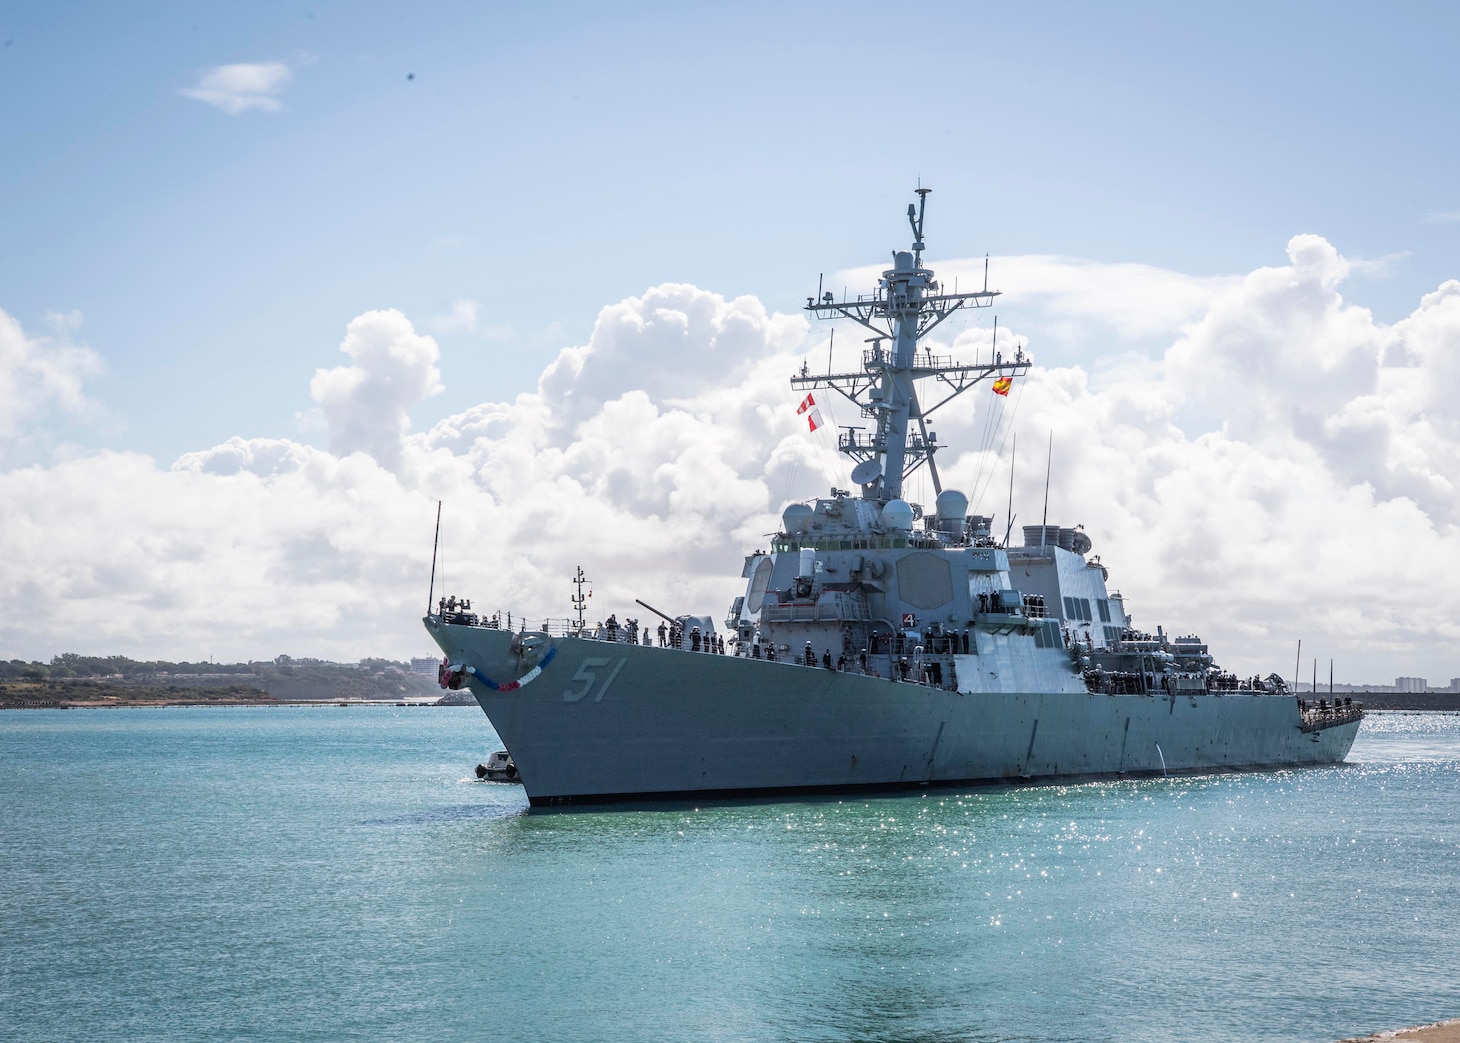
(424, 666)
(1410, 684)
(1455, 684)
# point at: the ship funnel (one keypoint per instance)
(952, 508)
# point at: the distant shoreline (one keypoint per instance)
(91, 695)
(1399, 700)
(118, 680)
(172, 703)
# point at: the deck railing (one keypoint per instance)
(1323, 714)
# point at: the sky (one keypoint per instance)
(276, 277)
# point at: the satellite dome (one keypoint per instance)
(952, 505)
(796, 518)
(897, 515)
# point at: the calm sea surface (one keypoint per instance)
(326, 873)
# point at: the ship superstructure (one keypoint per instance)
(879, 643)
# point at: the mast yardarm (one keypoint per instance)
(906, 306)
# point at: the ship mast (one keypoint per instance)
(907, 305)
(580, 600)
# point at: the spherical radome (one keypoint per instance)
(897, 514)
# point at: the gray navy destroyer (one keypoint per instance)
(879, 644)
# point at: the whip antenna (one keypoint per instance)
(1048, 464)
(431, 593)
(1013, 454)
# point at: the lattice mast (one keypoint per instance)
(907, 305)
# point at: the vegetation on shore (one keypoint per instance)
(72, 679)
(120, 668)
(24, 695)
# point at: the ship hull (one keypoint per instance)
(609, 721)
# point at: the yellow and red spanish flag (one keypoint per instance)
(1002, 385)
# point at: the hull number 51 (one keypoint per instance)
(587, 676)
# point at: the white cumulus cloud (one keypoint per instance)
(242, 86)
(365, 405)
(39, 372)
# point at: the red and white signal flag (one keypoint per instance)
(813, 415)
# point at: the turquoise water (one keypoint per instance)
(326, 873)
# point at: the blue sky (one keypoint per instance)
(548, 159)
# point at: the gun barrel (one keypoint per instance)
(651, 608)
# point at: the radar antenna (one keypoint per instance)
(915, 215)
(906, 305)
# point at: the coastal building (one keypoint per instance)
(1410, 684)
(425, 666)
